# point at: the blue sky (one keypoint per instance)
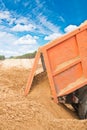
(26, 25)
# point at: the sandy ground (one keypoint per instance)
(19, 63)
(37, 111)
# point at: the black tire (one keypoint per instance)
(82, 110)
(75, 106)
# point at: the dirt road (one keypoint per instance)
(37, 111)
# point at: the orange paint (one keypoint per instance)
(66, 62)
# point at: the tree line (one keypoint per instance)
(25, 56)
(2, 57)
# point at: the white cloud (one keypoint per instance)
(4, 28)
(70, 28)
(7, 38)
(53, 36)
(47, 24)
(12, 17)
(42, 30)
(8, 53)
(21, 28)
(39, 4)
(21, 20)
(27, 39)
(10, 45)
(61, 19)
(41, 25)
(27, 49)
(2, 5)
(26, 3)
(4, 15)
(18, 50)
(0, 21)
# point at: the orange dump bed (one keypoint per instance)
(66, 62)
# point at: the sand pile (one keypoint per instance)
(37, 111)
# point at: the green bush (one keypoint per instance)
(25, 56)
(2, 57)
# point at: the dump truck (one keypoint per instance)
(65, 61)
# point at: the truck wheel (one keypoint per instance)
(75, 106)
(82, 111)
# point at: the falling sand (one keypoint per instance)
(37, 111)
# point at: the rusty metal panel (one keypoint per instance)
(66, 62)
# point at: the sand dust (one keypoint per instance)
(37, 111)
